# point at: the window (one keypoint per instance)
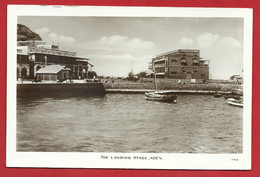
(160, 69)
(183, 61)
(174, 61)
(38, 67)
(195, 61)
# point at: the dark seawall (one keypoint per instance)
(60, 88)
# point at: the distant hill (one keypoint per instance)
(25, 34)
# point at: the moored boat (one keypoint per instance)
(164, 96)
(234, 96)
(217, 95)
(235, 102)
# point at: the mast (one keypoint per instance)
(155, 77)
(132, 65)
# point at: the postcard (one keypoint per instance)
(129, 87)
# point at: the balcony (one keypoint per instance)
(159, 65)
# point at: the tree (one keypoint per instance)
(92, 74)
(130, 75)
(141, 74)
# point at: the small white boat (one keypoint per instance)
(165, 96)
(235, 102)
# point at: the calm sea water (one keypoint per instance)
(128, 123)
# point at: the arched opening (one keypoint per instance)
(38, 67)
(195, 62)
(24, 73)
(183, 61)
(202, 76)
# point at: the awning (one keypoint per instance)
(160, 73)
(51, 69)
(163, 59)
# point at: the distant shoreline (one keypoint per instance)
(131, 87)
(140, 87)
(141, 91)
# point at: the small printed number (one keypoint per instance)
(234, 159)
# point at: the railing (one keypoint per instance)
(159, 65)
(51, 51)
(43, 63)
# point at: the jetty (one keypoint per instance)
(141, 91)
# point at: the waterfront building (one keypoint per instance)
(53, 72)
(237, 79)
(180, 64)
(34, 55)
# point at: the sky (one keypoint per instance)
(115, 45)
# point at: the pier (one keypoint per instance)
(140, 87)
(141, 91)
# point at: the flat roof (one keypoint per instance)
(59, 55)
(178, 50)
(160, 73)
(163, 59)
(22, 54)
(51, 69)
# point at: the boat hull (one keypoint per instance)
(234, 102)
(232, 96)
(217, 95)
(161, 96)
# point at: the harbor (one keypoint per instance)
(117, 122)
(131, 95)
(88, 87)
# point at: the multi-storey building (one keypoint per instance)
(180, 64)
(34, 55)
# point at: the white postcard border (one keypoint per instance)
(105, 160)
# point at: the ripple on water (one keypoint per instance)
(128, 123)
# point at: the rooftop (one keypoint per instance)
(51, 69)
(178, 50)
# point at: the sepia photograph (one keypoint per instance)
(127, 87)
